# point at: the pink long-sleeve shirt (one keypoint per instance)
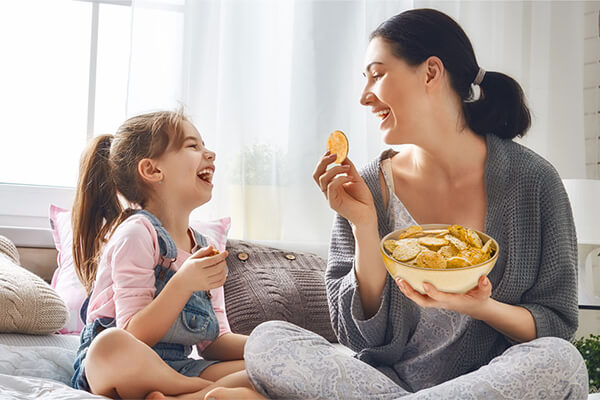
(125, 278)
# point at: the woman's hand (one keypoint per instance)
(203, 271)
(471, 303)
(348, 195)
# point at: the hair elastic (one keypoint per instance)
(475, 91)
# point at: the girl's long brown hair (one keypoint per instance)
(109, 179)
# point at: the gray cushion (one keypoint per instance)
(265, 283)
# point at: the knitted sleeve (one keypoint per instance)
(347, 316)
(553, 299)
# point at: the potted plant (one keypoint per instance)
(590, 350)
(256, 178)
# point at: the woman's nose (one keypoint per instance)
(366, 98)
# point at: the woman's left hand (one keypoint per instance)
(471, 303)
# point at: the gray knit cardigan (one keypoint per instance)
(528, 213)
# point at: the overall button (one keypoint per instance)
(290, 257)
(242, 256)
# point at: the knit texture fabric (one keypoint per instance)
(27, 303)
(528, 213)
(9, 249)
(266, 284)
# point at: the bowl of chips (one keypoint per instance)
(450, 257)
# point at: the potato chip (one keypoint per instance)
(473, 238)
(390, 245)
(455, 247)
(448, 251)
(433, 243)
(430, 259)
(487, 248)
(406, 249)
(457, 262)
(459, 244)
(438, 232)
(337, 143)
(466, 235)
(411, 231)
(474, 255)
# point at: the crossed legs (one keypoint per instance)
(119, 365)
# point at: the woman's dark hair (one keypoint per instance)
(416, 35)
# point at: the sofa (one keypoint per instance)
(267, 280)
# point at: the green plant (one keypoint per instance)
(259, 164)
(590, 350)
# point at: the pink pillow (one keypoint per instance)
(65, 280)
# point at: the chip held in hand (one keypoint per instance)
(337, 143)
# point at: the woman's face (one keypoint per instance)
(395, 93)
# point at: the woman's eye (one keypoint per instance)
(376, 77)
(193, 146)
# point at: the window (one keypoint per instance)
(67, 80)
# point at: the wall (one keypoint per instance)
(591, 89)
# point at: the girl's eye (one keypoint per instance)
(376, 77)
(194, 146)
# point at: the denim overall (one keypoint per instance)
(196, 323)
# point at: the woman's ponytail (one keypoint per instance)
(95, 209)
(501, 109)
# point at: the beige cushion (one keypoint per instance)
(27, 303)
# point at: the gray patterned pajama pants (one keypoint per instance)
(284, 361)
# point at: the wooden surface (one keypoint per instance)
(41, 262)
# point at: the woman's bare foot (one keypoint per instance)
(222, 393)
(155, 396)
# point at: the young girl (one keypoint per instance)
(154, 284)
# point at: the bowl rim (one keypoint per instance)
(438, 226)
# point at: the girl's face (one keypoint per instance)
(395, 92)
(188, 171)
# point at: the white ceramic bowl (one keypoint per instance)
(453, 280)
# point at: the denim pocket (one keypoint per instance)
(199, 319)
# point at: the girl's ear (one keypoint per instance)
(434, 70)
(149, 171)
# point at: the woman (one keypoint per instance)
(506, 338)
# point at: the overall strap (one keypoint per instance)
(200, 239)
(168, 249)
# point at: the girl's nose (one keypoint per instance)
(210, 155)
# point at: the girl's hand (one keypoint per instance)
(471, 303)
(348, 195)
(203, 270)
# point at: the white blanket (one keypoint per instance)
(38, 367)
(28, 388)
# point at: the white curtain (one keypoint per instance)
(266, 81)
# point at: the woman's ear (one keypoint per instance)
(149, 171)
(434, 70)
